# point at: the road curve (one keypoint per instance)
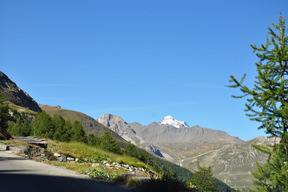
(24, 175)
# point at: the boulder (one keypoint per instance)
(62, 159)
(23, 149)
(4, 147)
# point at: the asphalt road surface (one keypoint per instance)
(23, 175)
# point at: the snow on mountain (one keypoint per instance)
(173, 122)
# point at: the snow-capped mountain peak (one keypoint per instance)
(175, 123)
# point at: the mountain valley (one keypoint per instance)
(231, 158)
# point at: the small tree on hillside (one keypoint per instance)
(108, 143)
(267, 103)
(42, 125)
(77, 132)
(61, 133)
(203, 180)
(131, 150)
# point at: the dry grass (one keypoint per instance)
(88, 156)
(92, 154)
(65, 113)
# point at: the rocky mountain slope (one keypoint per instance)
(164, 132)
(13, 94)
(119, 126)
(232, 159)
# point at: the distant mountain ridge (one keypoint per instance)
(164, 133)
(231, 158)
(13, 94)
(168, 130)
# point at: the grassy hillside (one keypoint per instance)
(90, 125)
(21, 109)
(65, 113)
(89, 155)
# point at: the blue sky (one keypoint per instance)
(141, 60)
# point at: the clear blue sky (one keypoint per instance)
(141, 60)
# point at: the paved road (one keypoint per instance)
(23, 175)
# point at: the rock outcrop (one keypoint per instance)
(13, 94)
(119, 126)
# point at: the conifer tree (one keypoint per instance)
(108, 143)
(268, 99)
(77, 132)
(60, 133)
(203, 180)
(19, 128)
(267, 103)
(131, 150)
(4, 118)
(273, 176)
(42, 125)
(94, 140)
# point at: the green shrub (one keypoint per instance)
(97, 157)
(134, 182)
(96, 174)
(203, 180)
